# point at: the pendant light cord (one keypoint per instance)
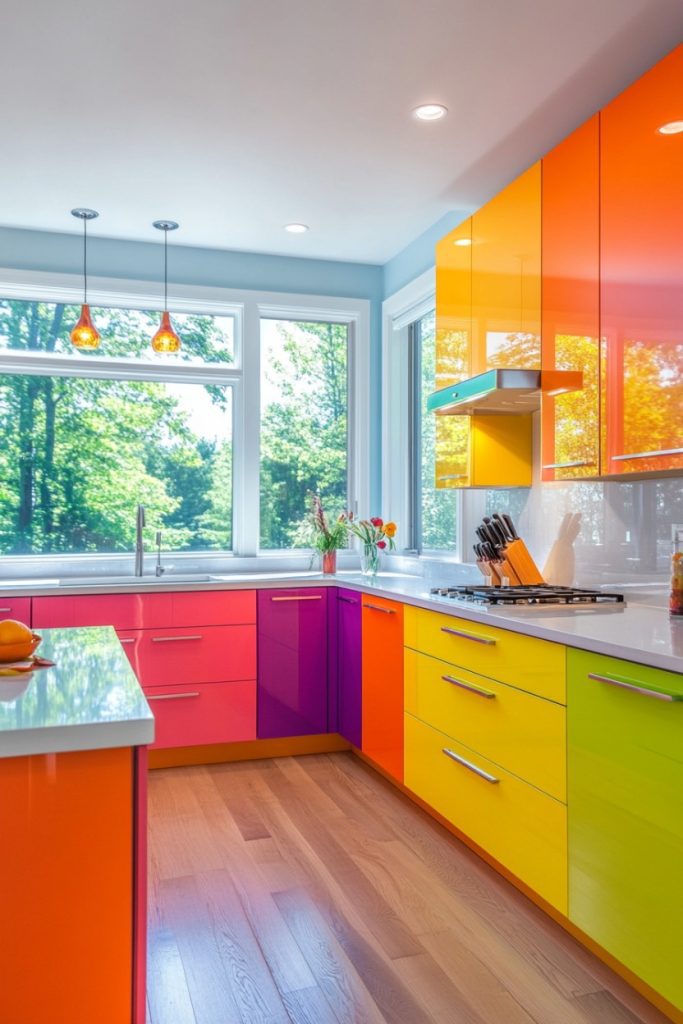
(165, 269)
(85, 263)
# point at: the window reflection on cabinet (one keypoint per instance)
(571, 303)
(454, 306)
(642, 273)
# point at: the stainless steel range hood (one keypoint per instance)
(502, 391)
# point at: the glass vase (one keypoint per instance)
(329, 563)
(369, 559)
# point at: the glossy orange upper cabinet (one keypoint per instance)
(571, 303)
(641, 238)
(506, 277)
(383, 683)
(454, 306)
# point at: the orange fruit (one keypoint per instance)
(17, 641)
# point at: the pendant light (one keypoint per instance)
(166, 339)
(84, 334)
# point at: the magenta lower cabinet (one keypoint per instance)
(349, 665)
(292, 662)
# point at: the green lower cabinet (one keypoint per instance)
(625, 798)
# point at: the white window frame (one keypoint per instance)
(243, 375)
(399, 312)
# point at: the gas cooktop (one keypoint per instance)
(527, 595)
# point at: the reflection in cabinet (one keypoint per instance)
(292, 662)
(349, 665)
(625, 779)
(642, 271)
(571, 303)
(454, 306)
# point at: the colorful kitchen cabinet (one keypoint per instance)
(292, 662)
(641, 256)
(625, 729)
(349, 679)
(383, 683)
(18, 608)
(570, 430)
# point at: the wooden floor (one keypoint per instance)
(310, 890)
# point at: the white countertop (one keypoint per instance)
(639, 633)
(89, 700)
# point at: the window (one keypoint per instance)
(78, 451)
(435, 511)
(304, 424)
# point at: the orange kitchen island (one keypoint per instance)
(72, 835)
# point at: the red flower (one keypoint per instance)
(377, 521)
(381, 544)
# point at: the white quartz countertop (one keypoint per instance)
(639, 633)
(91, 698)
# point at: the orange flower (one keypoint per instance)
(390, 529)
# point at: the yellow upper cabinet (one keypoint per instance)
(454, 306)
(506, 277)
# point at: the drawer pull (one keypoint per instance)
(378, 608)
(5, 609)
(453, 476)
(174, 696)
(175, 639)
(646, 455)
(127, 640)
(488, 694)
(346, 600)
(567, 465)
(635, 688)
(471, 767)
(308, 597)
(469, 636)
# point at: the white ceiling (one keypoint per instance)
(235, 117)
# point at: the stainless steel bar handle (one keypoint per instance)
(174, 639)
(378, 608)
(175, 696)
(308, 597)
(469, 636)
(470, 767)
(635, 688)
(126, 639)
(346, 600)
(5, 609)
(452, 476)
(646, 455)
(567, 465)
(488, 694)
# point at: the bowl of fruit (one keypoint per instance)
(17, 641)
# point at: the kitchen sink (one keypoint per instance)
(135, 581)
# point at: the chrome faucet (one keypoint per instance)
(159, 570)
(139, 548)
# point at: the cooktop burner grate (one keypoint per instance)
(523, 595)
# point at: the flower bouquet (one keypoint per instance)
(375, 535)
(317, 531)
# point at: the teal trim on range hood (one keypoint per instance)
(501, 391)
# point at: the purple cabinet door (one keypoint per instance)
(349, 665)
(292, 663)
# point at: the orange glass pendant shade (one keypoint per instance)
(166, 339)
(84, 334)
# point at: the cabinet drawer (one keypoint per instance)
(18, 608)
(191, 714)
(206, 654)
(530, 664)
(522, 828)
(122, 611)
(523, 733)
(213, 608)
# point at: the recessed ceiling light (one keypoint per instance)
(296, 229)
(430, 112)
(671, 128)
(463, 241)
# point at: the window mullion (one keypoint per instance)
(246, 506)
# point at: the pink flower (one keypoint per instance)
(377, 521)
(381, 544)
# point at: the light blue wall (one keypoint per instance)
(417, 257)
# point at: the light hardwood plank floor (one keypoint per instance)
(309, 890)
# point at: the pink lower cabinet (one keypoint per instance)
(18, 608)
(203, 654)
(190, 714)
(292, 662)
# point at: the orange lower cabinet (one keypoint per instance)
(67, 881)
(383, 683)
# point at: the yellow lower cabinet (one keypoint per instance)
(524, 733)
(538, 666)
(519, 826)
